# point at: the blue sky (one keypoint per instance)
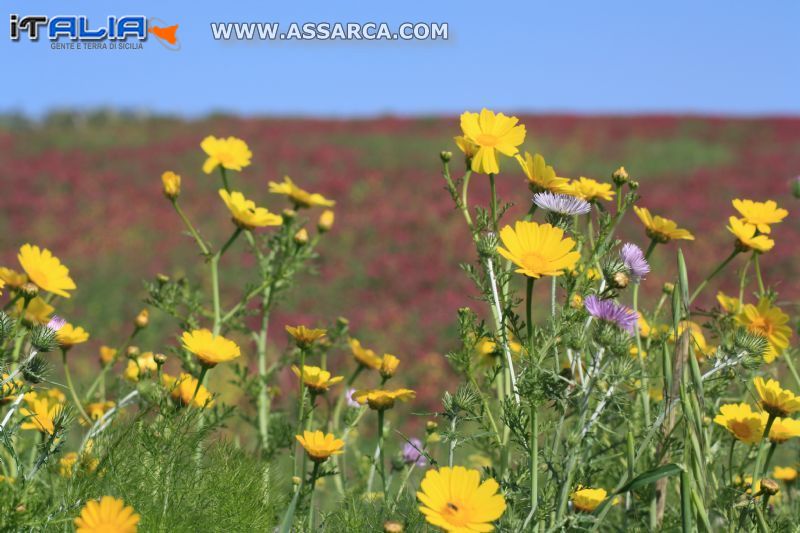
(709, 57)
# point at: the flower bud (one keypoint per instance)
(620, 280)
(393, 527)
(769, 486)
(29, 290)
(132, 352)
(162, 278)
(431, 426)
(619, 176)
(668, 288)
(289, 214)
(796, 187)
(576, 301)
(389, 365)
(107, 354)
(142, 319)
(296, 480)
(172, 184)
(301, 237)
(445, 156)
(160, 359)
(325, 222)
(633, 184)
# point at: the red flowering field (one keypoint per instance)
(89, 188)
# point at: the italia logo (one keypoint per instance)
(132, 30)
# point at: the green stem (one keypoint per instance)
(190, 227)
(529, 310)
(716, 271)
(314, 474)
(758, 470)
(301, 407)
(381, 461)
(224, 174)
(263, 393)
(791, 367)
(215, 293)
(645, 390)
(534, 465)
(493, 204)
(464, 197)
(487, 410)
(743, 281)
(71, 387)
(761, 290)
(200, 381)
(650, 248)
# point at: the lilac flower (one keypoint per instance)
(563, 204)
(632, 256)
(412, 452)
(610, 311)
(350, 401)
(56, 323)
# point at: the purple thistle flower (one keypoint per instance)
(610, 311)
(563, 204)
(412, 452)
(56, 323)
(632, 256)
(350, 401)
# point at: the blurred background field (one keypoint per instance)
(88, 187)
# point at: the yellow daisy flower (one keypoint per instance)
(769, 322)
(729, 304)
(541, 176)
(109, 515)
(316, 379)
(210, 349)
(775, 399)
(364, 356)
(455, 500)
(230, 153)
(701, 347)
(659, 228)
(142, 365)
(304, 336)
(787, 474)
(746, 237)
(389, 364)
(37, 312)
(45, 270)
(107, 354)
(491, 133)
(12, 278)
(96, 410)
(590, 190)
(538, 249)
(68, 336)
(319, 446)
(380, 400)
(466, 146)
(40, 414)
(784, 429)
(245, 213)
(586, 500)
(299, 197)
(182, 390)
(760, 214)
(66, 464)
(740, 420)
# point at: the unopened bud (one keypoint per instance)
(389, 365)
(162, 278)
(393, 527)
(172, 184)
(445, 156)
(619, 176)
(289, 214)
(29, 290)
(132, 352)
(620, 280)
(668, 288)
(769, 486)
(325, 222)
(160, 359)
(142, 319)
(796, 187)
(296, 480)
(431, 426)
(301, 237)
(576, 302)
(633, 184)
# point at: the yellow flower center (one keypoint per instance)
(534, 262)
(486, 139)
(454, 514)
(740, 429)
(761, 325)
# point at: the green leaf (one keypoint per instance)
(652, 476)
